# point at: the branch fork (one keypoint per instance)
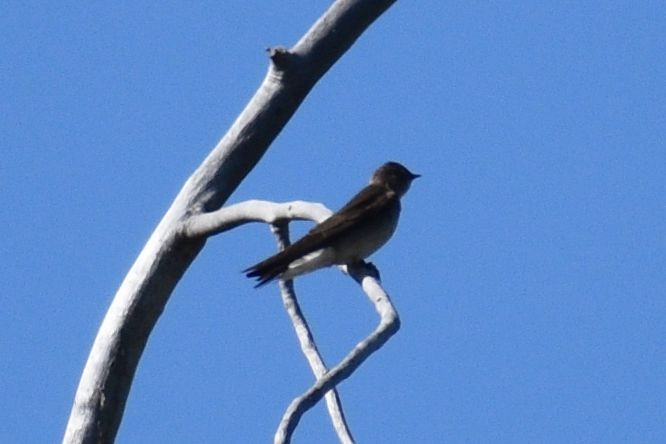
(107, 377)
(278, 216)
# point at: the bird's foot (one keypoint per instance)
(365, 267)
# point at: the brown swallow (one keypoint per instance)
(350, 235)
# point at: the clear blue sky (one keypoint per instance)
(528, 267)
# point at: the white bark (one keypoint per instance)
(389, 324)
(307, 342)
(226, 218)
(107, 377)
(366, 275)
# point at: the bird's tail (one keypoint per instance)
(264, 274)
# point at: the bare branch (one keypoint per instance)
(224, 219)
(366, 275)
(388, 325)
(306, 340)
(109, 371)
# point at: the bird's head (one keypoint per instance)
(393, 176)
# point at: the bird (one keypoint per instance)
(350, 235)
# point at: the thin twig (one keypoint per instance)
(307, 342)
(388, 325)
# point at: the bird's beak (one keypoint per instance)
(415, 176)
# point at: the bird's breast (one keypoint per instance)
(367, 237)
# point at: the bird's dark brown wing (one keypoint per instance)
(368, 202)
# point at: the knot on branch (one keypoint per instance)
(281, 57)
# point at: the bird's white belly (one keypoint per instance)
(356, 245)
(312, 261)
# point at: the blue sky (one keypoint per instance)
(528, 267)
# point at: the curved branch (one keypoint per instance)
(227, 218)
(389, 324)
(366, 275)
(100, 398)
(306, 340)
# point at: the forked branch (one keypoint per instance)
(106, 380)
(388, 325)
(307, 342)
(366, 275)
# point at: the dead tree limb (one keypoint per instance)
(366, 275)
(142, 296)
(307, 342)
(389, 324)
